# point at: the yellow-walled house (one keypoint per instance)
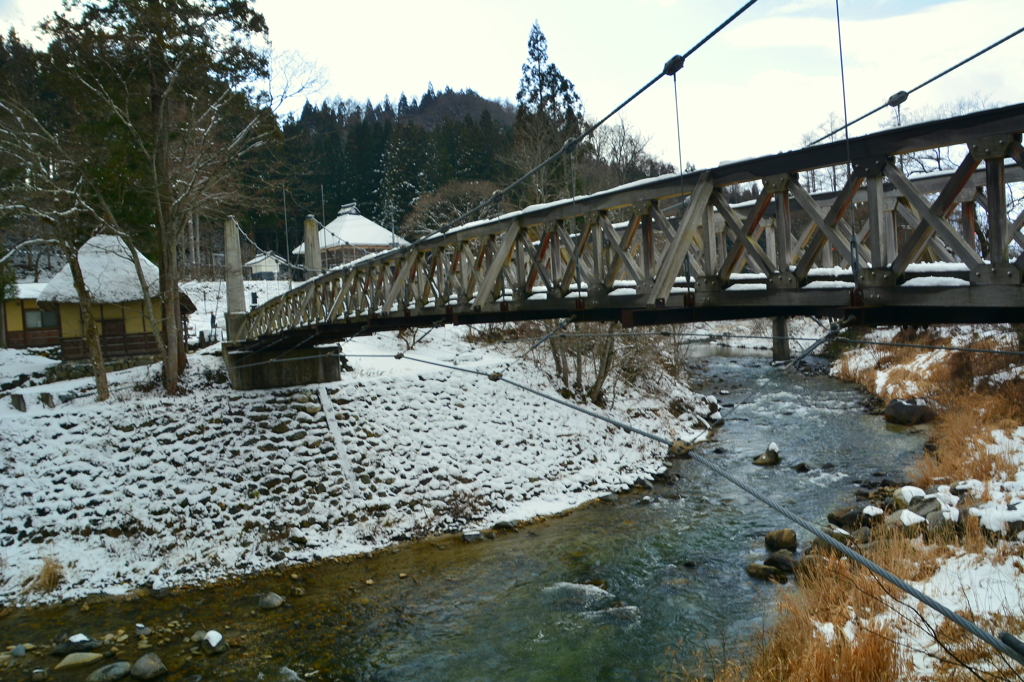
(25, 324)
(117, 294)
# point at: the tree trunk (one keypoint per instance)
(89, 328)
(607, 355)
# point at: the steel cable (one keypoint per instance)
(900, 97)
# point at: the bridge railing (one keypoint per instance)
(674, 248)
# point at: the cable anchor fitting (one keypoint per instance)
(679, 449)
(673, 65)
(494, 376)
(399, 356)
(898, 99)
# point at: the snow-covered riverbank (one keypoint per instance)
(184, 489)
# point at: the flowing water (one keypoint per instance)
(601, 593)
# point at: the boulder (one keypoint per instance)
(923, 506)
(110, 673)
(76, 644)
(903, 518)
(782, 560)
(149, 667)
(850, 518)
(862, 535)
(940, 525)
(905, 496)
(770, 573)
(271, 600)
(769, 458)
(909, 412)
(214, 643)
(784, 538)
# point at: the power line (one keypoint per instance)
(900, 97)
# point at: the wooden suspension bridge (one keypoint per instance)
(882, 248)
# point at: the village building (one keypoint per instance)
(267, 265)
(118, 308)
(25, 324)
(351, 236)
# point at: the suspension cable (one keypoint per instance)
(900, 97)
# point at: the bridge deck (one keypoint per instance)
(884, 247)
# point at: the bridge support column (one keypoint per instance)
(233, 276)
(780, 340)
(275, 369)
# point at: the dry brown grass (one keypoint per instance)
(963, 432)
(50, 576)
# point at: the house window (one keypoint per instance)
(39, 319)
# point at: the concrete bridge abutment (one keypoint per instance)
(277, 369)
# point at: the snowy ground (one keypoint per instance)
(15, 362)
(184, 489)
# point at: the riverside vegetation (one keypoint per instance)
(843, 624)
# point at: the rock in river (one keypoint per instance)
(782, 560)
(769, 458)
(110, 673)
(77, 660)
(214, 643)
(149, 667)
(271, 600)
(784, 538)
(909, 412)
(762, 572)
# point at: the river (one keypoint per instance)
(605, 592)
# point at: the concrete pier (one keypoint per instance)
(276, 369)
(780, 340)
(235, 315)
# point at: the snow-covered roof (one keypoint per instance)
(264, 257)
(352, 229)
(30, 290)
(109, 274)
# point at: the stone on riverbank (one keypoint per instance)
(149, 667)
(770, 457)
(784, 538)
(271, 600)
(110, 673)
(909, 412)
(903, 518)
(769, 573)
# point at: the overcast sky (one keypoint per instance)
(754, 89)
